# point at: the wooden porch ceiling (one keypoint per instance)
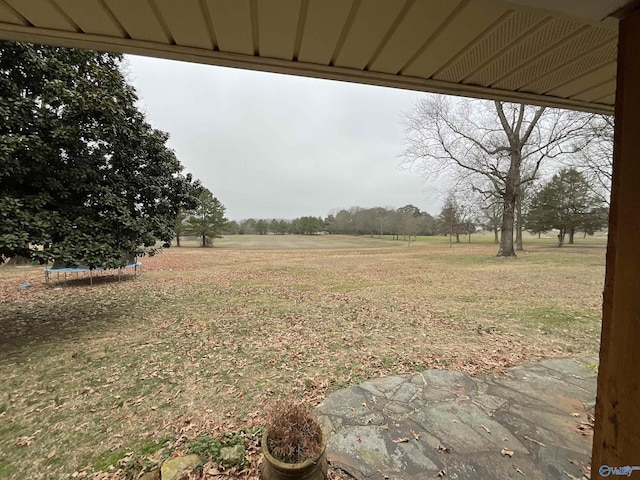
(560, 53)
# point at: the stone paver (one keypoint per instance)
(464, 423)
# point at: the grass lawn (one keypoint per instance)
(208, 336)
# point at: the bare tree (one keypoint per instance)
(502, 143)
(594, 157)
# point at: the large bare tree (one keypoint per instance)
(491, 142)
(595, 155)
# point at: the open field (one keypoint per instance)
(208, 336)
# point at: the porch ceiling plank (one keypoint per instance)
(573, 87)
(43, 14)
(412, 33)
(498, 39)
(92, 17)
(186, 22)
(599, 91)
(474, 18)
(608, 100)
(557, 56)
(538, 40)
(323, 27)
(9, 15)
(278, 26)
(139, 20)
(370, 25)
(573, 69)
(231, 20)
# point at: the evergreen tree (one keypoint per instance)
(84, 177)
(566, 203)
(207, 221)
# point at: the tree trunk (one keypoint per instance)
(519, 247)
(496, 239)
(506, 231)
(539, 235)
(177, 240)
(508, 214)
(572, 232)
(469, 236)
(561, 237)
(457, 238)
(204, 240)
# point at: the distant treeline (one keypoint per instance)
(408, 220)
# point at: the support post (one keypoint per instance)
(616, 440)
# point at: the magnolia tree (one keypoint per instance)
(84, 177)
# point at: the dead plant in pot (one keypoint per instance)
(294, 443)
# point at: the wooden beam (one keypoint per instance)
(617, 428)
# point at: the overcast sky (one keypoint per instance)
(279, 146)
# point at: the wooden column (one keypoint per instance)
(617, 427)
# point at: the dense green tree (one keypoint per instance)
(84, 177)
(566, 203)
(231, 228)
(307, 225)
(344, 223)
(279, 227)
(429, 225)
(330, 224)
(207, 221)
(180, 227)
(262, 227)
(410, 210)
(451, 221)
(247, 227)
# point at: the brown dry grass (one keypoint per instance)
(208, 336)
(294, 433)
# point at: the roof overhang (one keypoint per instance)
(560, 53)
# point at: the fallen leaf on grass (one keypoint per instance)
(506, 452)
(485, 428)
(442, 473)
(584, 429)
(415, 435)
(24, 441)
(400, 440)
(441, 449)
(519, 471)
(571, 476)
(584, 468)
(534, 440)
(52, 453)
(575, 414)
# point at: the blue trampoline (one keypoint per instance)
(59, 267)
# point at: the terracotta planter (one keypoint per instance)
(312, 469)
